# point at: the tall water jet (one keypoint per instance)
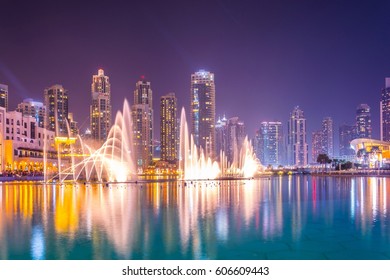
(112, 161)
(194, 163)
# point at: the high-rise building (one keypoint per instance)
(230, 134)
(297, 148)
(235, 137)
(203, 111)
(4, 96)
(316, 145)
(168, 128)
(74, 130)
(327, 137)
(363, 121)
(346, 134)
(385, 112)
(34, 109)
(142, 116)
(221, 136)
(100, 110)
(56, 103)
(270, 143)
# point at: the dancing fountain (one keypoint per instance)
(195, 164)
(114, 161)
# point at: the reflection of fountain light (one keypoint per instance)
(195, 163)
(37, 244)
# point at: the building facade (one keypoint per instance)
(297, 147)
(142, 116)
(385, 112)
(169, 128)
(100, 109)
(34, 109)
(363, 121)
(203, 111)
(56, 103)
(327, 137)
(4, 96)
(269, 143)
(347, 133)
(316, 145)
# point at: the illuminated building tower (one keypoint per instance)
(327, 137)
(203, 110)
(100, 110)
(56, 103)
(4, 96)
(270, 143)
(235, 137)
(363, 121)
(34, 109)
(385, 112)
(73, 125)
(316, 145)
(221, 136)
(297, 148)
(168, 128)
(346, 134)
(142, 116)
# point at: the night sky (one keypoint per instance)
(267, 56)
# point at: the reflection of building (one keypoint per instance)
(297, 148)
(56, 102)
(203, 110)
(270, 143)
(142, 116)
(100, 110)
(363, 121)
(4, 96)
(370, 152)
(168, 127)
(385, 112)
(34, 109)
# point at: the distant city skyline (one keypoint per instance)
(268, 57)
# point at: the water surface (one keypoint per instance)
(289, 217)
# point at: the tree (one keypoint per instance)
(323, 159)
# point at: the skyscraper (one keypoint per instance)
(168, 128)
(34, 109)
(346, 134)
(100, 110)
(235, 137)
(297, 148)
(385, 112)
(327, 137)
(142, 116)
(363, 121)
(4, 96)
(56, 103)
(203, 110)
(316, 145)
(270, 143)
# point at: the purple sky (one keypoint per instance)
(267, 56)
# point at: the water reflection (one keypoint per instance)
(193, 220)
